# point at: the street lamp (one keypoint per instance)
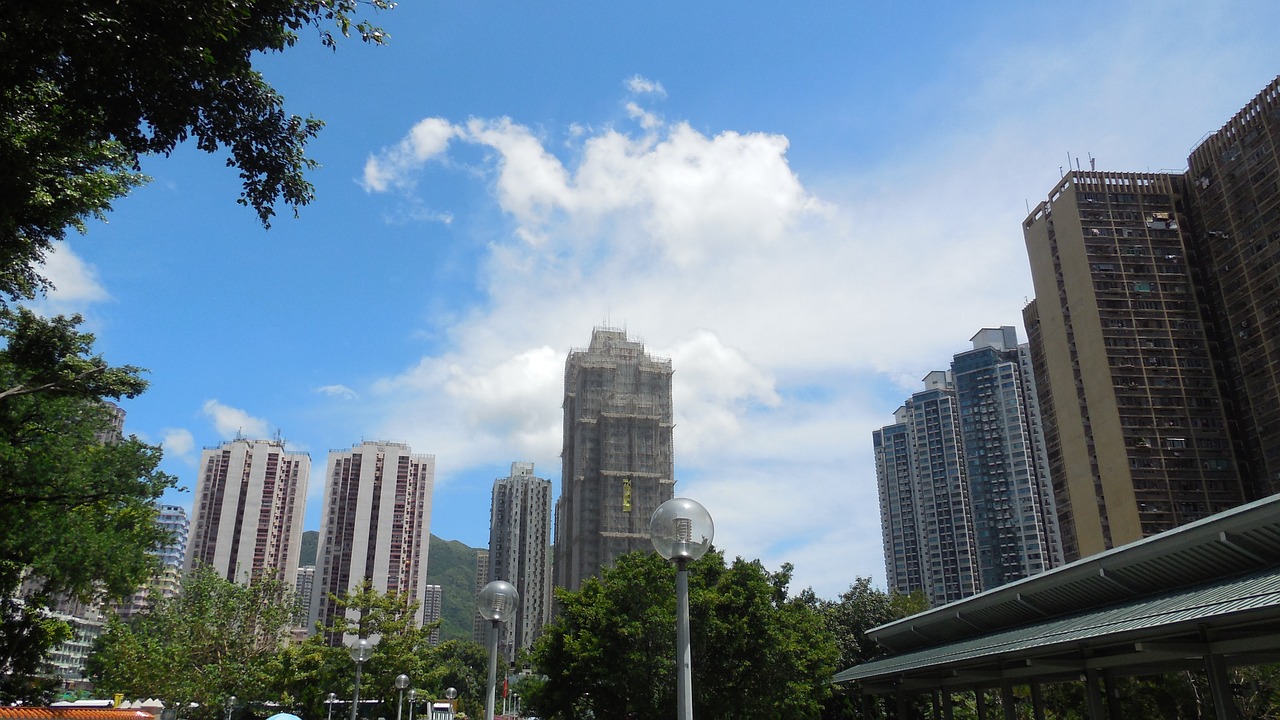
(402, 682)
(413, 700)
(231, 703)
(449, 694)
(497, 604)
(332, 697)
(681, 531)
(360, 652)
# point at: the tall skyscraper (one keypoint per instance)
(376, 524)
(432, 607)
(1015, 523)
(1134, 423)
(1156, 332)
(617, 458)
(479, 626)
(923, 487)
(168, 580)
(519, 544)
(964, 504)
(1236, 242)
(249, 507)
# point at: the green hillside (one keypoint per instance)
(310, 539)
(452, 566)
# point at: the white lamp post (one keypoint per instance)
(681, 531)
(449, 694)
(332, 697)
(413, 701)
(497, 604)
(231, 703)
(360, 652)
(402, 682)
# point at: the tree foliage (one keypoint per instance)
(756, 652)
(307, 672)
(76, 505)
(214, 640)
(88, 86)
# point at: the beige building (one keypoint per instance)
(249, 506)
(376, 525)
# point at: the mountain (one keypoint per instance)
(452, 566)
(310, 539)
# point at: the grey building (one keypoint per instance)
(519, 549)
(617, 457)
(965, 505)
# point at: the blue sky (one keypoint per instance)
(807, 206)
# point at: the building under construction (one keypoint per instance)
(617, 457)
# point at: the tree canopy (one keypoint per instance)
(756, 652)
(214, 640)
(87, 87)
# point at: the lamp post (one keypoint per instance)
(413, 700)
(402, 682)
(497, 604)
(231, 703)
(360, 652)
(681, 531)
(332, 697)
(449, 694)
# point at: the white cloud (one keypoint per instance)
(426, 141)
(178, 442)
(76, 285)
(230, 422)
(338, 391)
(644, 86)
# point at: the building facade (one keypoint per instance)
(519, 552)
(964, 503)
(172, 555)
(617, 458)
(376, 525)
(479, 626)
(1138, 435)
(432, 608)
(249, 507)
(1234, 182)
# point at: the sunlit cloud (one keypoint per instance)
(230, 422)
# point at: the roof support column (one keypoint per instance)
(980, 702)
(1007, 701)
(936, 702)
(1220, 687)
(947, 705)
(1113, 695)
(1093, 695)
(1037, 701)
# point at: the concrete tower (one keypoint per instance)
(376, 525)
(249, 507)
(519, 546)
(617, 457)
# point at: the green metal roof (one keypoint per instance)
(1162, 602)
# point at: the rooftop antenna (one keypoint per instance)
(1028, 203)
(1093, 162)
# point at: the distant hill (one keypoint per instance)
(310, 539)
(452, 566)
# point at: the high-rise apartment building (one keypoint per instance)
(376, 524)
(964, 503)
(432, 607)
(924, 488)
(249, 508)
(1015, 525)
(519, 545)
(168, 580)
(1155, 335)
(617, 459)
(1234, 181)
(1134, 422)
(479, 626)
